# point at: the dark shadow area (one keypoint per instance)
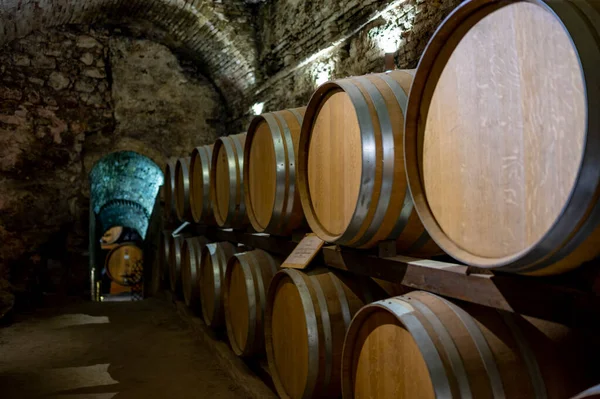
(92, 350)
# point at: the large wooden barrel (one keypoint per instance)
(502, 135)
(213, 266)
(168, 187)
(175, 244)
(306, 319)
(121, 263)
(270, 154)
(200, 185)
(422, 346)
(351, 165)
(227, 181)
(181, 191)
(191, 253)
(245, 296)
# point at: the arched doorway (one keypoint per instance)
(123, 188)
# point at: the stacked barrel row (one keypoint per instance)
(498, 174)
(487, 151)
(327, 333)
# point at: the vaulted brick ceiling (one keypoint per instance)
(219, 33)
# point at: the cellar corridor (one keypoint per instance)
(97, 350)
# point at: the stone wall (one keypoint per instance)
(304, 42)
(218, 34)
(54, 92)
(68, 97)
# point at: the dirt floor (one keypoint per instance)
(108, 350)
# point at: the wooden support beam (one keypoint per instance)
(562, 299)
(531, 296)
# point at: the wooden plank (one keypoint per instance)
(274, 244)
(562, 299)
(530, 296)
(239, 371)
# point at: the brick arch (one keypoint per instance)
(224, 46)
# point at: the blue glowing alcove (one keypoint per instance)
(123, 190)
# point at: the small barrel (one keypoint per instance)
(168, 187)
(191, 253)
(270, 153)
(227, 182)
(175, 263)
(245, 295)
(112, 235)
(182, 190)
(422, 346)
(351, 165)
(213, 266)
(200, 185)
(503, 165)
(121, 263)
(306, 319)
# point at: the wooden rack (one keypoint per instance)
(560, 299)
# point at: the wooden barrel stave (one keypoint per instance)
(165, 245)
(182, 190)
(466, 351)
(120, 262)
(168, 187)
(244, 308)
(226, 182)
(565, 231)
(191, 252)
(378, 206)
(277, 211)
(306, 319)
(213, 266)
(200, 202)
(175, 244)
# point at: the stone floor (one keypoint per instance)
(108, 350)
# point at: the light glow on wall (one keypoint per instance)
(389, 39)
(257, 108)
(322, 71)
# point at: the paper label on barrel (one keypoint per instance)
(304, 252)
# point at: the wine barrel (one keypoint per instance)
(213, 265)
(422, 346)
(502, 158)
(226, 181)
(111, 235)
(175, 263)
(306, 319)
(182, 190)
(200, 185)
(351, 166)
(272, 200)
(191, 252)
(121, 262)
(246, 283)
(168, 187)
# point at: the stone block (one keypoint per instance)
(85, 85)
(85, 41)
(87, 59)
(95, 73)
(21, 60)
(58, 81)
